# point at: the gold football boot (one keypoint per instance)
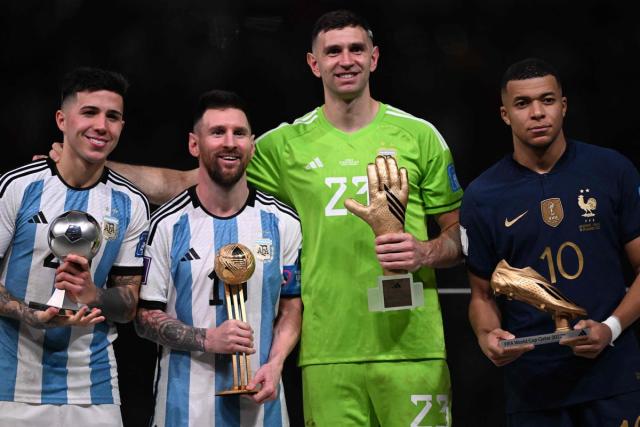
(527, 285)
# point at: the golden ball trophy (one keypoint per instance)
(234, 265)
(528, 286)
(388, 198)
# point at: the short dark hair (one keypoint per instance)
(92, 79)
(529, 68)
(339, 19)
(218, 100)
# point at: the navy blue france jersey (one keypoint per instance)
(570, 225)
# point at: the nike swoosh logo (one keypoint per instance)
(508, 223)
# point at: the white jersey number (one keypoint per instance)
(360, 182)
(443, 402)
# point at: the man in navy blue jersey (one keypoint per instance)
(567, 210)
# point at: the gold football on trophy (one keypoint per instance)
(234, 264)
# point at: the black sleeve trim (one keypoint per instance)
(126, 271)
(152, 305)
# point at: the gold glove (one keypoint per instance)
(388, 195)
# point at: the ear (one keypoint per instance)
(194, 149)
(253, 146)
(313, 64)
(505, 115)
(564, 106)
(60, 120)
(375, 54)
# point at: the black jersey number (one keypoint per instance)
(548, 255)
(51, 262)
(215, 291)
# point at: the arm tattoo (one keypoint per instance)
(157, 326)
(16, 309)
(118, 302)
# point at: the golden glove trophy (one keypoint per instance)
(234, 265)
(388, 197)
(528, 286)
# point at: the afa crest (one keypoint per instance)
(110, 228)
(263, 250)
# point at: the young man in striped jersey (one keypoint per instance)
(182, 304)
(60, 370)
(358, 367)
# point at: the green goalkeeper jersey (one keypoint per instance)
(315, 167)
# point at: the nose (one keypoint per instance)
(345, 58)
(229, 139)
(100, 123)
(537, 110)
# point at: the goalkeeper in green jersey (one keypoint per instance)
(359, 367)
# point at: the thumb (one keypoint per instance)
(356, 208)
(257, 379)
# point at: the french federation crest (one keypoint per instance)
(264, 250)
(110, 228)
(552, 211)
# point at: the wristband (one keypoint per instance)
(616, 328)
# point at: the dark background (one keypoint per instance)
(441, 60)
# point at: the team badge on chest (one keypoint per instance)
(264, 250)
(110, 228)
(552, 212)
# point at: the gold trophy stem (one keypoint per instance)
(243, 309)
(562, 323)
(243, 374)
(234, 356)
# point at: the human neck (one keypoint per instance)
(219, 200)
(77, 172)
(350, 115)
(540, 160)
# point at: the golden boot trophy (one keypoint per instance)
(388, 197)
(234, 265)
(528, 286)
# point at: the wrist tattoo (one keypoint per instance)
(118, 302)
(16, 309)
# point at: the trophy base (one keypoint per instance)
(545, 338)
(235, 391)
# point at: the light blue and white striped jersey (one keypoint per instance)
(67, 365)
(183, 241)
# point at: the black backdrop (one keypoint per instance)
(440, 59)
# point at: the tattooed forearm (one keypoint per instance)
(118, 302)
(16, 309)
(157, 326)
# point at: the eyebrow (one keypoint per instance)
(525, 97)
(94, 108)
(359, 45)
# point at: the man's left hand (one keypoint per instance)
(268, 376)
(592, 344)
(74, 276)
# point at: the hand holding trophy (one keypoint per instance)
(388, 198)
(234, 265)
(527, 285)
(73, 232)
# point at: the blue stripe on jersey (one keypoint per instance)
(16, 281)
(227, 408)
(271, 282)
(101, 389)
(56, 340)
(177, 407)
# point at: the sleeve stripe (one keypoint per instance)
(152, 305)
(392, 111)
(270, 200)
(29, 169)
(122, 181)
(166, 210)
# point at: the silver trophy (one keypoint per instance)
(73, 232)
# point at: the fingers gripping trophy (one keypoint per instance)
(528, 286)
(388, 198)
(234, 265)
(73, 232)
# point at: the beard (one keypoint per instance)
(226, 178)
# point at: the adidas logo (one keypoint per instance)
(190, 255)
(315, 164)
(38, 218)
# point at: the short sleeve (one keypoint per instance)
(477, 245)
(157, 277)
(292, 242)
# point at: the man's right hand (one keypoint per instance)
(233, 336)
(54, 153)
(490, 345)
